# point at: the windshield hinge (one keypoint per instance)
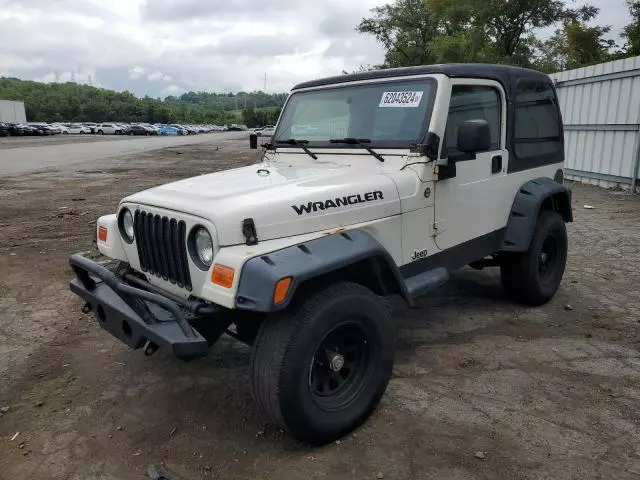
(249, 231)
(429, 148)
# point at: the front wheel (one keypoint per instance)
(533, 277)
(321, 367)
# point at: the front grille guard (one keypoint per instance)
(83, 267)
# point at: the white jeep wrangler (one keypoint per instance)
(375, 184)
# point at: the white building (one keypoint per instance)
(12, 112)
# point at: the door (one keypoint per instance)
(472, 204)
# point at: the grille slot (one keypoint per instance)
(162, 247)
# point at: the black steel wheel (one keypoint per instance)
(321, 367)
(533, 277)
(339, 366)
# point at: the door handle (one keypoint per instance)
(496, 164)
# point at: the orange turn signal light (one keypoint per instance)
(223, 276)
(102, 234)
(282, 289)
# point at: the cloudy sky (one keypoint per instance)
(162, 47)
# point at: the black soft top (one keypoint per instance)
(505, 74)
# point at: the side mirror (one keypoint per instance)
(474, 136)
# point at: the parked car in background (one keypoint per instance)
(91, 126)
(62, 129)
(181, 128)
(16, 129)
(170, 130)
(124, 129)
(78, 128)
(42, 128)
(29, 130)
(153, 130)
(267, 131)
(137, 130)
(4, 129)
(55, 128)
(108, 129)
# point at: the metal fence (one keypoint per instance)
(601, 112)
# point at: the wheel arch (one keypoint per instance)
(353, 255)
(541, 194)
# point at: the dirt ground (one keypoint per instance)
(543, 393)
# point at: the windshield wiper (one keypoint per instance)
(362, 142)
(301, 144)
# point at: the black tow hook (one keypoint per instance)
(150, 348)
(87, 308)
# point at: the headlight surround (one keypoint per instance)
(201, 247)
(125, 223)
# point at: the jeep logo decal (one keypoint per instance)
(338, 202)
(419, 255)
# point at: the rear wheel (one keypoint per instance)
(100, 132)
(533, 277)
(321, 367)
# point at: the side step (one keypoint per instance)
(420, 284)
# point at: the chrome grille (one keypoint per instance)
(162, 247)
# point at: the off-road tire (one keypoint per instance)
(287, 352)
(524, 278)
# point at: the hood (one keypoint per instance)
(282, 199)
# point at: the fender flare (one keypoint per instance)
(533, 196)
(311, 260)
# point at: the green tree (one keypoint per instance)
(405, 29)
(575, 45)
(631, 33)
(416, 32)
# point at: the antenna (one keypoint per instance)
(265, 82)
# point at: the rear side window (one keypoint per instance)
(472, 102)
(537, 130)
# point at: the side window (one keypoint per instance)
(537, 131)
(472, 102)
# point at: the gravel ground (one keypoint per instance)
(482, 388)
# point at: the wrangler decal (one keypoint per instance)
(338, 202)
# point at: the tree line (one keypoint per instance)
(71, 102)
(515, 32)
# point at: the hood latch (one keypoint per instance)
(249, 231)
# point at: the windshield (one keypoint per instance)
(391, 114)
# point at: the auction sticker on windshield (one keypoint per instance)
(401, 99)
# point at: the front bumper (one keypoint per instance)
(137, 317)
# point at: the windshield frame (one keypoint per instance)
(377, 144)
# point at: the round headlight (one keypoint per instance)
(126, 225)
(204, 246)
